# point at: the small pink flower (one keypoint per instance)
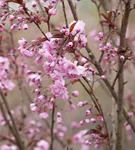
(80, 104)
(122, 57)
(42, 145)
(33, 107)
(11, 18)
(103, 77)
(34, 4)
(87, 120)
(93, 120)
(87, 112)
(72, 106)
(22, 43)
(75, 93)
(59, 90)
(52, 11)
(78, 28)
(26, 52)
(25, 27)
(20, 19)
(13, 27)
(43, 115)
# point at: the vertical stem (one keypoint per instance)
(64, 11)
(114, 124)
(73, 10)
(121, 77)
(52, 127)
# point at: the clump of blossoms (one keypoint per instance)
(5, 81)
(53, 65)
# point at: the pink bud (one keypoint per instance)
(85, 103)
(87, 120)
(87, 142)
(118, 12)
(3, 18)
(34, 4)
(58, 114)
(103, 77)
(83, 60)
(81, 122)
(93, 120)
(52, 100)
(52, 11)
(72, 106)
(33, 107)
(25, 27)
(20, 19)
(101, 34)
(122, 57)
(80, 104)
(13, 27)
(75, 93)
(11, 17)
(87, 112)
(43, 115)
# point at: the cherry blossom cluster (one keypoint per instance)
(5, 81)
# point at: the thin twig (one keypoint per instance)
(117, 75)
(52, 127)
(64, 11)
(73, 10)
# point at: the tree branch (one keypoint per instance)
(121, 78)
